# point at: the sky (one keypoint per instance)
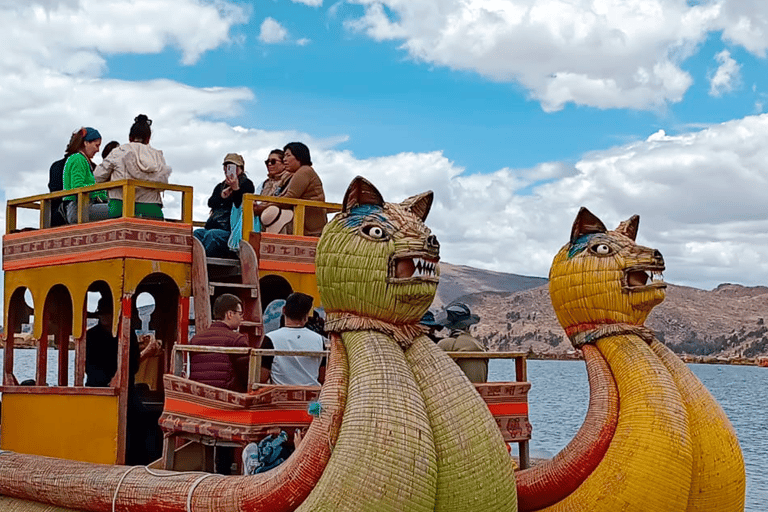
(514, 112)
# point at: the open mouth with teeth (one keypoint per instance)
(643, 278)
(413, 268)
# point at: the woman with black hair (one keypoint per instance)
(136, 160)
(304, 184)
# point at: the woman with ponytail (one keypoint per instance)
(78, 172)
(136, 160)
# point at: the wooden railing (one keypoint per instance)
(42, 202)
(299, 210)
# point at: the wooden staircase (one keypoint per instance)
(213, 276)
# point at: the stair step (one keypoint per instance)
(223, 262)
(254, 288)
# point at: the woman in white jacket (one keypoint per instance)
(136, 160)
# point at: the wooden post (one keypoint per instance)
(299, 212)
(10, 218)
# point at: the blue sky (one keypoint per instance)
(515, 112)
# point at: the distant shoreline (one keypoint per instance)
(741, 361)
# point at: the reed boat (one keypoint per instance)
(65, 446)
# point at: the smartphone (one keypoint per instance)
(231, 171)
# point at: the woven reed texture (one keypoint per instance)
(719, 479)
(586, 289)
(91, 487)
(648, 465)
(549, 482)
(356, 274)
(385, 456)
(475, 471)
(14, 505)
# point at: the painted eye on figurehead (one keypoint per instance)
(601, 249)
(374, 232)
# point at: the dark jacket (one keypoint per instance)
(56, 183)
(219, 370)
(221, 207)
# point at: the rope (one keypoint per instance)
(192, 490)
(119, 483)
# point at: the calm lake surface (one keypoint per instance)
(560, 394)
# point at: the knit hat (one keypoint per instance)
(91, 134)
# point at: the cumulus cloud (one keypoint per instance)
(726, 77)
(272, 32)
(699, 194)
(607, 54)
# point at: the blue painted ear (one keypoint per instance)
(586, 224)
(361, 192)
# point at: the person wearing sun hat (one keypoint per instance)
(428, 321)
(457, 317)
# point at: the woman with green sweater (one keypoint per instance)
(78, 172)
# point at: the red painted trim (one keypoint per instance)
(100, 255)
(243, 417)
(508, 409)
(275, 265)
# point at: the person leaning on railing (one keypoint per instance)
(304, 184)
(139, 161)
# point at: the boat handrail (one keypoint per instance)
(299, 210)
(42, 202)
(255, 355)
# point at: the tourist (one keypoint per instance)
(458, 318)
(305, 184)
(101, 348)
(226, 195)
(78, 172)
(277, 176)
(136, 160)
(428, 321)
(296, 370)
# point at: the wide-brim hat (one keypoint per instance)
(457, 316)
(429, 320)
(273, 219)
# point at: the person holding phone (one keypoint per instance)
(226, 194)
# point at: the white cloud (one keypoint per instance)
(700, 195)
(311, 3)
(726, 77)
(605, 54)
(303, 41)
(272, 32)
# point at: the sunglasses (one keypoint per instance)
(271, 161)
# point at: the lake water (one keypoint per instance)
(560, 394)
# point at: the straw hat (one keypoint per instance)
(273, 219)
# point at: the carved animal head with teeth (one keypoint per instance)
(603, 276)
(378, 258)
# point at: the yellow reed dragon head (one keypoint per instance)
(378, 260)
(603, 277)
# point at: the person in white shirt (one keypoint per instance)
(297, 370)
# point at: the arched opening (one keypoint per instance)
(57, 329)
(273, 287)
(19, 366)
(100, 354)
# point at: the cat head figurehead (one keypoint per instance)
(378, 260)
(603, 277)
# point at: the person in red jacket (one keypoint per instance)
(227, 371)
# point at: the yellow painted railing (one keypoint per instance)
(299, 210)
(42, 202)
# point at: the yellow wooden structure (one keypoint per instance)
(55, 268)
